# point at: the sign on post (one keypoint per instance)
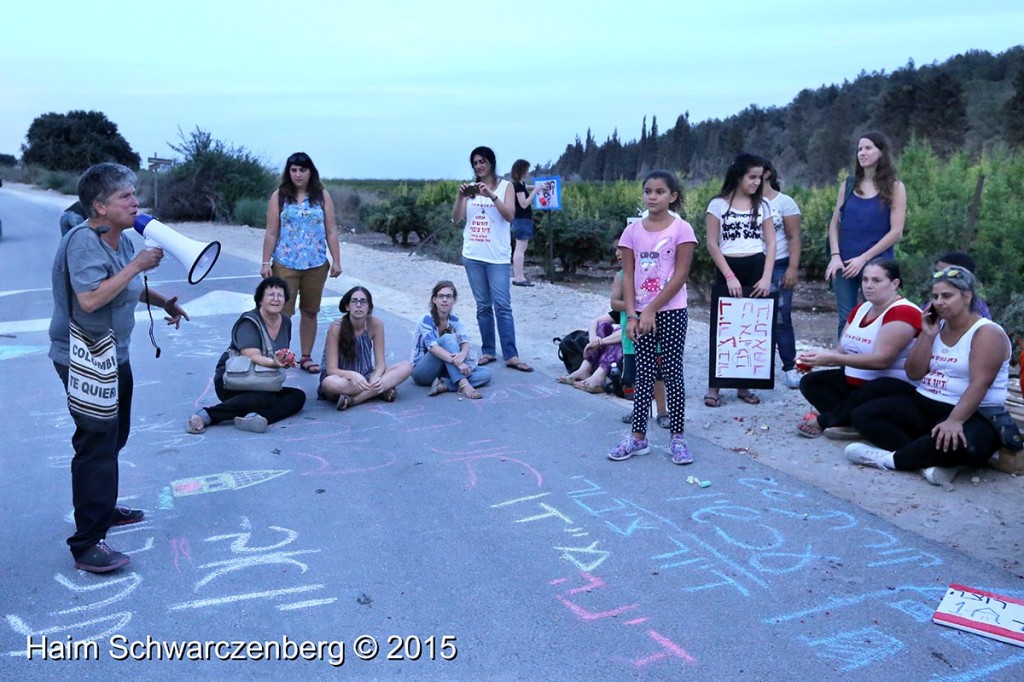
(549, 194)
(742, 348)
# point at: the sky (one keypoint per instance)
(406, 89)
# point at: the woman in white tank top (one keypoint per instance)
(962, 362)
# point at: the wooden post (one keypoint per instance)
(972, 216)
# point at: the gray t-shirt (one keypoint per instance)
(90, 261)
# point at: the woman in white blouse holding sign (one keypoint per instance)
(740, 232)
(487, 207)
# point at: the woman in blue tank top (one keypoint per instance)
(867, 221)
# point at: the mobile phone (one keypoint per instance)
(933, 315)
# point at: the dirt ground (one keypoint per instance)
(980, 516)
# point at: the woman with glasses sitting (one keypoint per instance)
(442, 357)
(253, 410)
(354, 365)
(962, 362)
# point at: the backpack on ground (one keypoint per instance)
(571, 347)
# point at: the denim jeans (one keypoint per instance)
(785, 337)
(490, 284)
(94, 470)
(430, 367)
(847, 292)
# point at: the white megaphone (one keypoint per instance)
(197, 257)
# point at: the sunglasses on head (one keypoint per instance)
(949, 272)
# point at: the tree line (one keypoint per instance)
(973, 102)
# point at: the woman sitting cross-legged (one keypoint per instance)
(354, 366)
(603, 350)
(962, 362)
(872, 351)
(254, 410)
(442, 357)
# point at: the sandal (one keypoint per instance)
(809, 428)
(712, 401)
(486, 359)
(307, 365)
(516, 363)
(195, 424)
(749, 398)
(470, 393)
(589, 388)
(390, 395)
(344, 403)
(565, 380)
(438, 387)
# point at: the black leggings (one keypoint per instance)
(903, 424)
(748, 269)
(271, 406)
(835, 399)
(670, 337)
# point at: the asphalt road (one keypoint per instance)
(438, 538)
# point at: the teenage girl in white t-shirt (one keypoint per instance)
(740, 232)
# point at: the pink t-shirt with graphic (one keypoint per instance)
(654, 255)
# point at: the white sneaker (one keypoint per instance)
(867, 455)
(942, 476)
(792, 378)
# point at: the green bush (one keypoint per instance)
(211, 179)
(8, 160)
(251, 212)
(60, 181)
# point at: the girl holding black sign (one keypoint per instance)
(656, 254)
(740, 232)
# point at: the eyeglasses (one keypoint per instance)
(446, 297)
(358, 301)
(949, 272)
(274, 294)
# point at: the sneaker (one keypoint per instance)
(941, 476)
(123, 516)
(101, 559)
(680, 452)
(842, 433)
(628, 447)
(867, 455)
(252, 422)
(791, 378)
(664, 421)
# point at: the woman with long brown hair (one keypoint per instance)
(867, 222)
(355, 367)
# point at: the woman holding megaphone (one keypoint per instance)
(300, 231)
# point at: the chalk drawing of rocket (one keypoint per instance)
(228, 480)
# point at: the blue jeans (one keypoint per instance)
(430, 367)
(490, 284)
(785, 337)
(847, 291)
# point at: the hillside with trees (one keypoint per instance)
(972, 102)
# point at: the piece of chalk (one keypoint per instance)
(705, 484)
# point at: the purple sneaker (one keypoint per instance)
(680, 452)
(628, 447)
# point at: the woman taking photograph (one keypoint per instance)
(522, 221)
(740, 233)
(486, 205)
(962, 362)
(871, 354)
(442, 357)
(254, 410)
(867, 221)
(300, 231)
(355, 368)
